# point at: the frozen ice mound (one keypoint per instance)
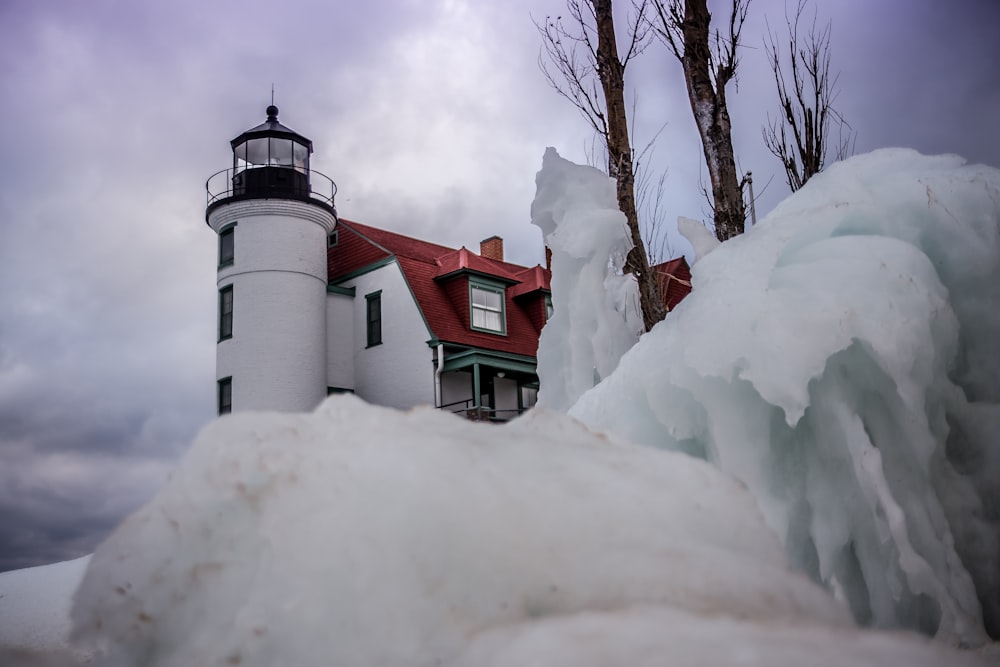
(843, 361)
(360, 535)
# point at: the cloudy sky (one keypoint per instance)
(432, 117)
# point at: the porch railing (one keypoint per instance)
(481, 412)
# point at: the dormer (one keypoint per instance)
(478, 288)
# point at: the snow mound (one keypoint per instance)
(34, 611)
(842, 360)
(658, 636)
(359, 535)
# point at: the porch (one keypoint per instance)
(487, 386)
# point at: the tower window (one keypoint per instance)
(225, 395)
(487, 307)
(227, 246)
(226, 312)
(374, 317)
(333, 239)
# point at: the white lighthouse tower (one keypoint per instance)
(273, 215)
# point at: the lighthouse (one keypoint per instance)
(272, 214)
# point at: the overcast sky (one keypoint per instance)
(431, 116)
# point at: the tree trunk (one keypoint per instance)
(712, 118)
(611, 71)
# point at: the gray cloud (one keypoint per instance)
(431, 117)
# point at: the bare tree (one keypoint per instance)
(710, 62)
(807, 111)
(582, 52)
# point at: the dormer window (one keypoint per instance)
(487, 301)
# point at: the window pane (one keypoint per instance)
(254, 151)
(226, 246)
(493, 300)
(226, 312)
(300, 156)
(374, 307)
(486, 319)
(280, 152)
(225, 396)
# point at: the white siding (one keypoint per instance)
(340, 340)
(505, 397)
(398, 373)
(456, 386)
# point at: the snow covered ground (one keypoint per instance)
(815, 430)
(34, 614)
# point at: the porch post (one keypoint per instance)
(476, 391)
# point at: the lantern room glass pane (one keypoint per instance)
(300, 157)
(280, 152)
(251, 152)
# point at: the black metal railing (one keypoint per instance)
(481, 412)
(270, 182)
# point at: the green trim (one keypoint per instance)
(501, 360)
(338, 390)
(337, 289)
(496, 288)
(368, 268)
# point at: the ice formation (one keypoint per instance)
(360, 535)
(596, 317)
(843, 361)
(702, 241)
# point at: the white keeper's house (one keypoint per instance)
(310, 304)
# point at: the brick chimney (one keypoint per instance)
(492, 248)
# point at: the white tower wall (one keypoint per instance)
(277, 353)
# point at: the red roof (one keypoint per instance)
(674, 279)
(438, 277)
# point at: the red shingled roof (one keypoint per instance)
(438, 277)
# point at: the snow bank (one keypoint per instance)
(843, 361)
(360, 535)
(34, 610)
(596, 317)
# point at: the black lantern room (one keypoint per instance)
(270, 161)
